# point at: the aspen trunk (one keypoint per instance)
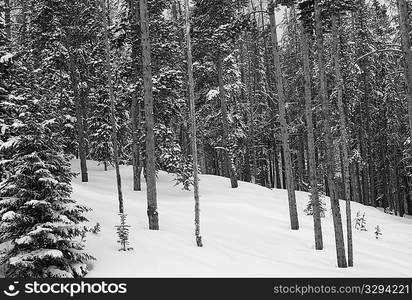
(152, 212)
(344, 135)
(282, 116)
(337, 218)
(311, 143)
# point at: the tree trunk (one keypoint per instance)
(7, 19)
(337, 219)
(112, 109)
(136, 106)
(152, 212)
(193, 127)
(294, 222)
(311, 142)
(344, 135)
(407, 52)
(228, 164)
(79, 117)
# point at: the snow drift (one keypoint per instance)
(245, 233)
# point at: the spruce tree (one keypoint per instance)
(38, 218)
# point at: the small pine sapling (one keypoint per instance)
(378, 232)
(96, 228)
(309, 209)
(363, 223)
(358, 220)
(123, 233)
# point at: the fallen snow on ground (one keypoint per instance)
(245, 232)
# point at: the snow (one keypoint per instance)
(10, 143)
(8, 216)
(24, 257)
(212, 94)
(245, 233)
(6, 58)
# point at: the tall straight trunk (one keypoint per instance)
(251, 150)
(24, 13)
(112, 108)
(228, 164)
(84, 93)
(152, 212)
(293, 213)
(136, 106)
(399, 201)
(317, 224)
(7, 19)
(79, 117)
(202, 157)
(251, 96)
(337, 218)
(344, 134)
(278, 170)
(354, 188)
(193, 127)
(407, 52)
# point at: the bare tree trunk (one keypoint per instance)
(136, 106)
(317, 224)
(282, 116)
(7, 19)
(344, 135)
(228, 164)
(112, 109)
(202, 157)
(193, 127)
(152, 212)
(337, 218)
(407, 52)
(79, 117)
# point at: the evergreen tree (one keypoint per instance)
(38, 217)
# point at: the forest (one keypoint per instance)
(302, 95)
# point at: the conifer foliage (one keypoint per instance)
(38, 218)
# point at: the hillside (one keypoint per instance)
(245, 233)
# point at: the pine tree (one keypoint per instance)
(315, 199)
(294, 222)
(193, 127)
(337, 219)
(38, 216)
(112, 109)
(123, 233)
(152, 212)
(377, 232)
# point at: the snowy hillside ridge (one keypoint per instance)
(245, 231)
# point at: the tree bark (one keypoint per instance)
(79, 117)
(344, 135)
(317, 225)
(152, 212)
(229, 170)
(407, 52)
(337, 218)
(193, 127)
(112, 109)
(7, 19)
(293, 213)
(136, 105)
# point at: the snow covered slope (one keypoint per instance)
(245, 233)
